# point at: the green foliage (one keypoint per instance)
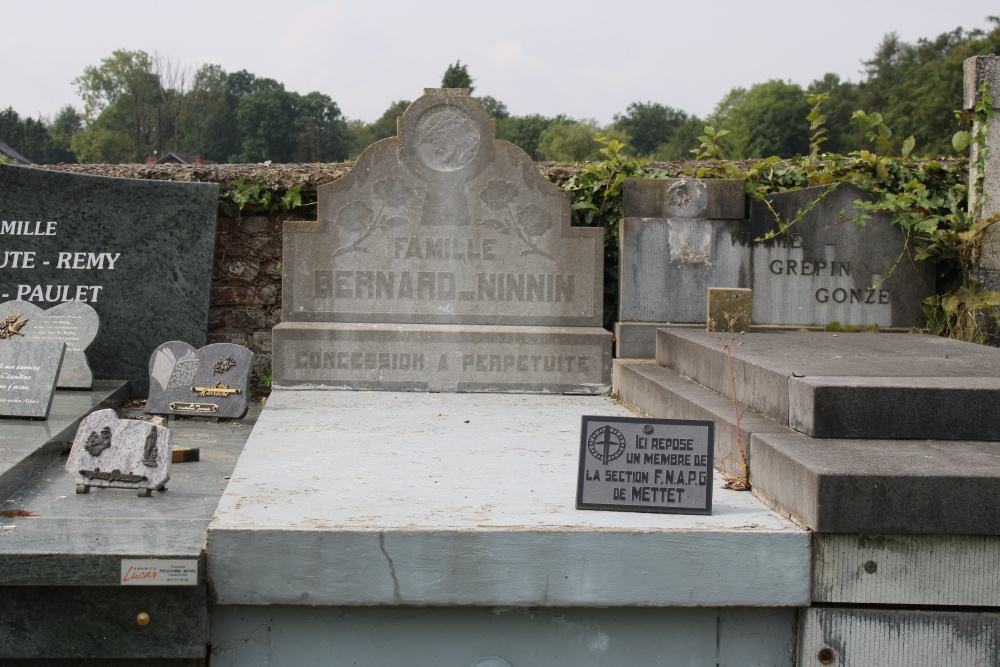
(596, 195)
(766, 119)
(255, 198)
(494, 107)
(524, 132)
(649, 125)
(38, 140)
(572, 141)
(457, 76)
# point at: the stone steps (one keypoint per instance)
(849, 385)
(836, 485)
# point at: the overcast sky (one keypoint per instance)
(585, 59)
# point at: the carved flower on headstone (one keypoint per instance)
(534, 220)
(355, 216)
(497, 194)
(393, 192)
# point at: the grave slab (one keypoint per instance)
(29, 446)
(840, 385)
(466, 358)
(121, 245)
(67, 556)
(74, 323)
(468, 500)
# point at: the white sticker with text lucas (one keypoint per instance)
(159, 572)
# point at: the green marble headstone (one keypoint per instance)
(139, 252)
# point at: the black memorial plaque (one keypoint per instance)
(646, 465)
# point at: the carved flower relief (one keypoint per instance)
(534, 220)
(498, 194)
(393, 192)
(359, 218)
(355, 216)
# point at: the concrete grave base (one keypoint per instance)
(437, 357)
(482, 637)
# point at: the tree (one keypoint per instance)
(768, 119)
(568, 140)
(844, 135)
(122, 109)
(457, 76)
(524, 131)
(916, 87)
(266, 121)
(649, 125)
(61, 130)
(321, 132)
(494, 107)
(683, 139)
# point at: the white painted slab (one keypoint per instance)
(855, 637)
(933, 570)
(358, 498)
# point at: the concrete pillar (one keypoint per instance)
(977, 70)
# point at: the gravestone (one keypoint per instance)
(443, 261)
(821, 271)
(109, 452)
(28, 372)
(130, 248)
(210, 382)
(74, 323)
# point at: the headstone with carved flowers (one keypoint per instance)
(443, 261)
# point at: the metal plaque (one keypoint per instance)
(646, 465)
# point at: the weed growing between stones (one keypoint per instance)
(736, 481)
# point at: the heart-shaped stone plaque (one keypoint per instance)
(74, 323)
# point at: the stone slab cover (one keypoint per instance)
(28, 372)
(74, 323)
(138, 251)
(119, 453)
(210, 382)
(443, 225)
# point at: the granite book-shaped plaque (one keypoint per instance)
(210, 382)
(28, 372)
(120, 453)
(74, 323)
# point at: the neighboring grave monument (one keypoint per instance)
(680, 237)
(74, 323)
(210, 382)
(140, 252)
(443, 261)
